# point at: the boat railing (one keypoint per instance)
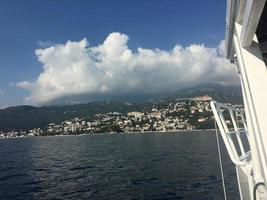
(232, 125)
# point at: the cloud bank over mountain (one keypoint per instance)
(112, 68)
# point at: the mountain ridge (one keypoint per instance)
(25, 117)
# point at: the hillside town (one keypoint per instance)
(183, 114)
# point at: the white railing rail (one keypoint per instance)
(237, 122)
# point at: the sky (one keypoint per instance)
(55, 48)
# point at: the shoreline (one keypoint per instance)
(114, 133)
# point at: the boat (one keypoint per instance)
(244, 131)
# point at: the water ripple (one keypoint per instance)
(107, 167)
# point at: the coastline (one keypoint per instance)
(122, 133)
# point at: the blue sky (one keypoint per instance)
(27, 24)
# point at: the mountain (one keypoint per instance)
(220, 93)
(85, 98)
(27, 117)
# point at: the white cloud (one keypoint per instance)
(23, 84)
(221, 48)
(113, 68)
(45, 44)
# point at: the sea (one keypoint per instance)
(139, 166)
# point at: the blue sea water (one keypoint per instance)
(161, 166)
